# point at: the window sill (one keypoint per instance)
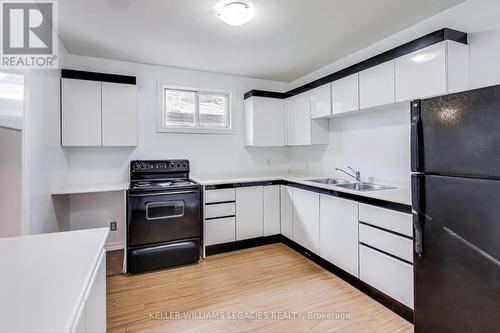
(184, 130)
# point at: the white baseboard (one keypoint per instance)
(114, 246)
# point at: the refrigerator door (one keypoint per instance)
(458, 134)
(457, 273)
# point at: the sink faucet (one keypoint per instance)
(357, 174)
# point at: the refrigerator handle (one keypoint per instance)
(416, 136)
(419, 234)
(418, 224)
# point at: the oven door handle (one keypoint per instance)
(162, 193)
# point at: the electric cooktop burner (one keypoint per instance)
(160, 175)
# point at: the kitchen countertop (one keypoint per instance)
(44, 278)
(90, 188)
(400, 195)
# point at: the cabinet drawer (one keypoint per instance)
(385, 241)
(391, 276)
(387, 219)
(220, 231)
(219, 195)
(219, 210)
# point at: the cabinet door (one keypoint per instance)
(345, 94)
(269, 122)
(271, 210)
(286, 211)
(249, 212)
(306, 219)
(96, 298)
(81, 113)
(119, 114)
(388, 274)
(321, 102)
(421, 73)
(339, 233)
(299, 120)
(219, 231)
(376, 85)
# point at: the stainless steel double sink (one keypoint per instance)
(356, 186)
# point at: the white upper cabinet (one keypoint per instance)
(321, 102)
(306, 219)
(264, 122)
(249, 212)
(345, 94)
(95, 114)
(81, 113)
(301, 130)
(376, 85)
(298, 118)
(339, 233)
(119, 114)
(435, 70)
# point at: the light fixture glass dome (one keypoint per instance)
(235, 13)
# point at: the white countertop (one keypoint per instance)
(44, 277)
(90, 188)
(401, 195)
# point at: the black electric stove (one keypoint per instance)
(163, 216)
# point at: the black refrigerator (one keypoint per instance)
(455, 147)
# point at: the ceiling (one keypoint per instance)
(286, 40)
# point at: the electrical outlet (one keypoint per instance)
(112, 226)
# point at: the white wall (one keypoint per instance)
(207, 153)
(45, 163)
(377, 142)
(473, 16)
(485, 58)
(10, 178)
(97, 210)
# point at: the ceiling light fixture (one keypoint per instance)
(235, 13)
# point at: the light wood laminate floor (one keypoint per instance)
(268, 282)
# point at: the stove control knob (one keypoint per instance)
(143, 166)
(172, 165)
(184, 165)
(136, 166)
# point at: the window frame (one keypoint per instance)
(161, 127)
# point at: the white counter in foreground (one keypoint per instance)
(46, 281)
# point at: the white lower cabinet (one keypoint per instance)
(286, 197)
(393, 244)
(339, 233)
(271, 210)
(389, 275)
(92, 314)
(249, 212)
(219, 231)
(306, 219)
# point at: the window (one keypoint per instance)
(194, 111)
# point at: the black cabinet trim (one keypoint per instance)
(389, 302)
(94, 76)
(219, 217)
(241, 184)
(362, 199)
(412, 46)
(240, 245)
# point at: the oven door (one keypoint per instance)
(163, 216)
